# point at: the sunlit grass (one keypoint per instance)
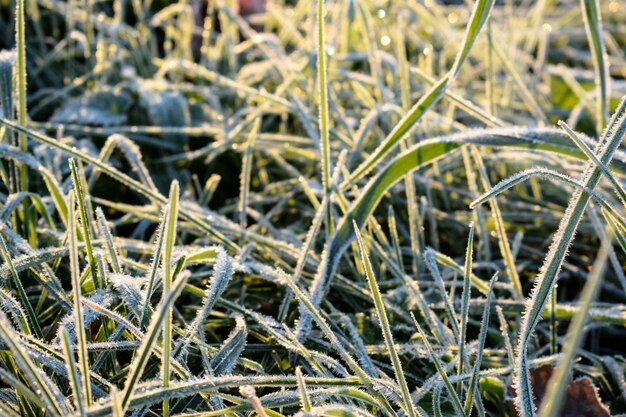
(326, 162)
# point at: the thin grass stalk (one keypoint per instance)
(503, 242)
(324, 118)
(593, 24)
(17, 282)
(384, 324)
(504, 328)
(20, 42)
(553, 399)
(302, 391)
(169, 233)
(473, 393)
(617, 187)
(465, 301)
(154, 267)
(246, 171)
(84, 221)
(456, 402)
(72, 371)
(480, 13)
(549, 271)
(108, 241)
(79, 323)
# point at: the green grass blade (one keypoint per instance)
(72, 371)
(484, 325)
(384, 324)
(20, 42)
(619, 190)
(84, 221)
(304, 395)
(169, 233)
(456, 402)
(419, 155)
(32, 316)
(595, 34)
(79, 323)
(465, 297)
(553, 399)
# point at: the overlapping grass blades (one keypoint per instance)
(547, 277)
(314, 108)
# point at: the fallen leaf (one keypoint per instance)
(581, 398)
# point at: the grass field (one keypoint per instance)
(342, 208)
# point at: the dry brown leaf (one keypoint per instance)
(581, 398)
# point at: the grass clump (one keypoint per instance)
(298, 212)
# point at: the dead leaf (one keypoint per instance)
(581, 398)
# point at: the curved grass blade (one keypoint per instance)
(480, 13)
(548, 173)
(419, 155)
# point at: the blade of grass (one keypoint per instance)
(79, 323)
(44, 387)
(484, 325)
(84, 221)
(593, 24)
(409, 407)
(419, 155)
(324, 119)
(465, 299)
(619, 190)
(304, 395)
(72, 371)
(169, 233)
(456, 402)
(553, 399)
(20, 42)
